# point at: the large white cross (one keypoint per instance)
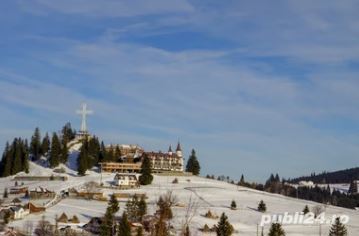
(84, 112)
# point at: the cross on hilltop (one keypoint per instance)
(84, 112)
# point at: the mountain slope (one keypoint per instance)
(341, 176)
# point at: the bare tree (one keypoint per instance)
(44, 228)
(191, 211)
(317, 210)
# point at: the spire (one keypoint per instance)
(170, 149)
(178, 147)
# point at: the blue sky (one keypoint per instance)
(254, 87)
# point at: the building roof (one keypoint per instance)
(16, 200)
(178, 147)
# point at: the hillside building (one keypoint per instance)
(132, 156)
(126, 180)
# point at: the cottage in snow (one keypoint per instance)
(126, 180)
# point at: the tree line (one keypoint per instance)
(341, 176)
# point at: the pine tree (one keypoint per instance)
(117, 153)
(67, 132)
(111, 154)
(146, 172)
(82, 159)
(276, 230)
(103, 153)
(17, 161)
(54, 158)
(142, 207)
(35, 144)
(14, 158)
(132, 208)
(25, 157)
(224, 228)
(242, 182)
(306, 210)
(193, 164)
(5, 164)
(109, 225)
(338, 228)
(353, 188)
(113, 204)
(262, 206)
(94, 150)
(124, 229)
(106, 227)
(45, 145)
(64, 150)
(233, 205)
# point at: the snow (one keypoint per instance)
(208, 194)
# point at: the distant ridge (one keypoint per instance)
(341, 176)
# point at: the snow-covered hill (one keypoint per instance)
(208, 194)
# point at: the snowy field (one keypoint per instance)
(207, 194)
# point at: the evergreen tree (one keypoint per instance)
(67, 132)
(132, 208)
(45, 145)
(35, 144)
(146, 172)
(276, 230)
(233, 205)
(306, 210)
(193, 164)
(25, 156)
(338, 228)
(17, 160)
(14, 158)
(103, 153)
(5, 165)
(353, 188)
(117, 153)
(110, 157)
(94, 150)
(106, 228)
(55, 153)
(64, 150)
(224, 228)
(142, 207)
(82, 159)
(113, 204)
(124, 229)
(262, 206)
(242, 182)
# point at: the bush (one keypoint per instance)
(262, 206)
(233, 205)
